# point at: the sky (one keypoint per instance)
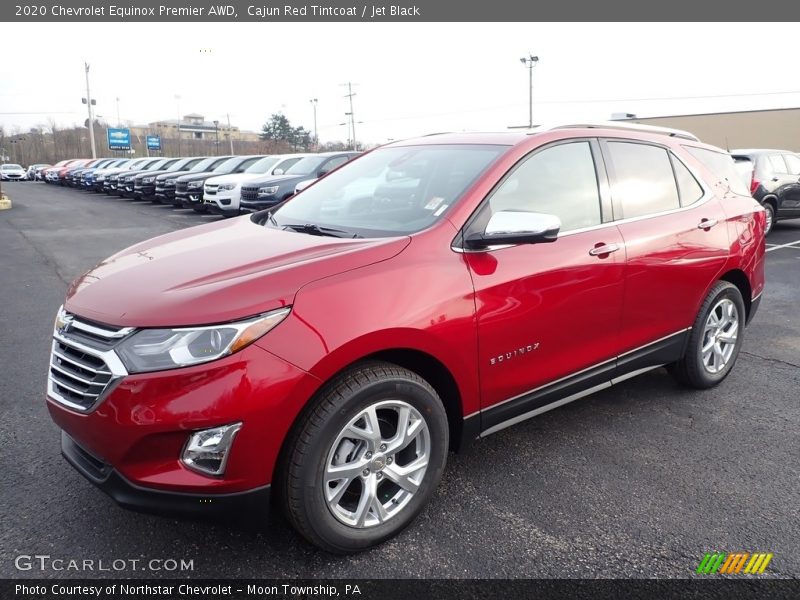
(409, 78)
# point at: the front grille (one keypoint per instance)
(181, 186)
(249, 193)
(83, 364)
(211, 190)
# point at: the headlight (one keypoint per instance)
(169, 183)
(267, 191)
(194, 184)
(100, 178)
(148, 179)
(225, 187)
(159, 349)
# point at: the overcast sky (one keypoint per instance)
(412, 78)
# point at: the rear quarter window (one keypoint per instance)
(722, 166)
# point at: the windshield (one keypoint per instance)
(262, 166)
(391, 191)
(184, 164)
(229, 165)
(307, 165)
(154, 166)
(11, 167)
(205, 164)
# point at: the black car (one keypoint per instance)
(114, 183)
(189, 188)
(262, 193)
(166, 184)
(774, 180)
(144, 185)
(127, 180)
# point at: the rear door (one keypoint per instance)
(676, 240)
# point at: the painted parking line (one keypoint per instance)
(793, 245)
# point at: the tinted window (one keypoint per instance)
(793, 162)
(778, 165)
(559, 180)
(722, 166)
(688, 188)
(335, 162)
(306, 166)
(263, 165)
(643, 181)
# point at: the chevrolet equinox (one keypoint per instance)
(332, 349)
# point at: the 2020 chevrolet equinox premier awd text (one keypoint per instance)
(331, 350)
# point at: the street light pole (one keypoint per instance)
(314, 105)
(530, 62)
(230, 133)
(216, 137)
(89, 107)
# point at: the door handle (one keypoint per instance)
(706, 224)
(603, 249)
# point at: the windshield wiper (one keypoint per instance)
(313, 229)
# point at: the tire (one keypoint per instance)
(323, 440)
(770, 221)
(703, 371)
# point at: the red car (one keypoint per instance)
(429, 292)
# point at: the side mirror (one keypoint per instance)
(322, 173)
(278, 172)
(516, 227)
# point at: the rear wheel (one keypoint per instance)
(715, 339)
(365, 459)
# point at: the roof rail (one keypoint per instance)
(626, 127)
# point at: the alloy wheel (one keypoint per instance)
(719, 335)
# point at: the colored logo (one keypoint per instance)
(734, 563)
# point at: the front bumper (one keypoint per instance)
(189, 198)
(135, 436)
(135, 497)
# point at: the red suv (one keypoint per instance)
(430, 292)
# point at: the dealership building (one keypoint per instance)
(774, 128)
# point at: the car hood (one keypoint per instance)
(132, 173)
(233, 178)
(215, 273)
(196, 176)
(171, 175)
(151, 173)
(278, 179)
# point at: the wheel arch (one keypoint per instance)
(738, 278)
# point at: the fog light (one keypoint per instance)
(207, 451)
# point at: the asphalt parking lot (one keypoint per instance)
(636, 481)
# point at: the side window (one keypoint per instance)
(560, 180)
(334, 163)
(688, 188)
(723, 167)
(285, 164)
(778, 166)
(793, 162)
(643, 182)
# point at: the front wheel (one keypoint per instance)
(365, 459)
(715, 339)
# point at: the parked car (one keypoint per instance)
(337, 359)
(269, 191)
(126, 185)
(105, 178)
(50, 174)
(221, 194)
(61, 174)
(169, 187)
(144, 186)
(38, 174)
(88, 176)
(30, 174)
(117, 182)
(189, 188)
(774, 180)
(12, 172)
(73, 176)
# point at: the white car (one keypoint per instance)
(222, 194)
(12, 172)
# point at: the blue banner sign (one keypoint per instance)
(154, 142)
(119, 139)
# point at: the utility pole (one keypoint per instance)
(230, 133)
(350, 95)
(216, 137)
(314, 105)
(119, 121)
(530, 62)
(89, 103)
